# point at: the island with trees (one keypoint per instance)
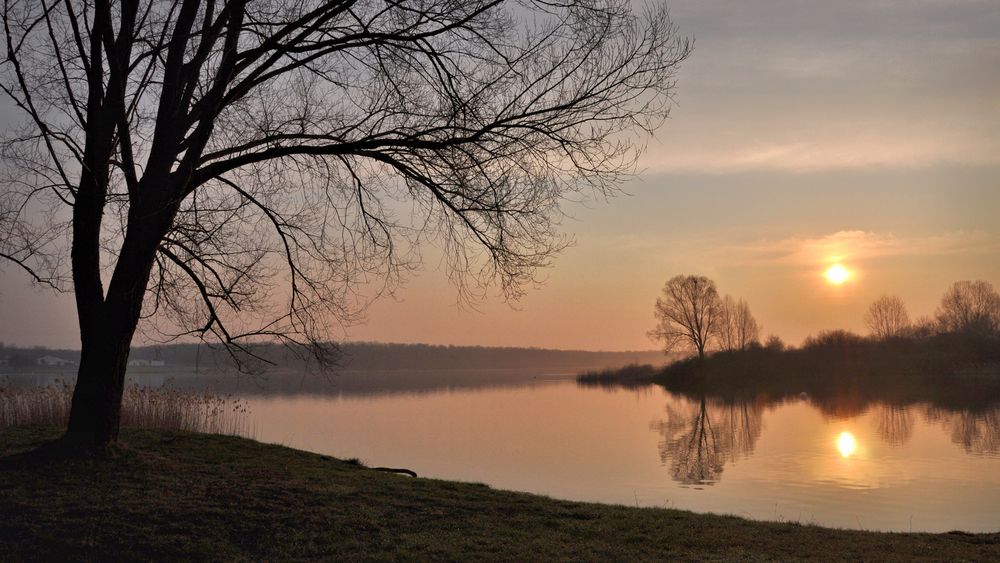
(953, 356)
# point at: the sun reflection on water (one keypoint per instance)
(846, 444)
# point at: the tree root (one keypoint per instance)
(395, 470)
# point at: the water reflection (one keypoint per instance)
(895, 424)
(344, 383)
(698, 438)
(976, 433)
(700, 435)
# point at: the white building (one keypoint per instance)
(53, 361)
(146, 363)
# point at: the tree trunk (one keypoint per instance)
(95, 415)
(108, 326)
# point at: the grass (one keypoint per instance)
(178, 495)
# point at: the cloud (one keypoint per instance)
(859, 246)
(805, 86)
(852, 247)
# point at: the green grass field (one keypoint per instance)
(170, 495)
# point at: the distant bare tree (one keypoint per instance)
(970, 307)
(924, 326)
(725, 334)
(738, 329)
(887, 317)
(687, 314)
(242, 166)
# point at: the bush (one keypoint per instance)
(833, 339)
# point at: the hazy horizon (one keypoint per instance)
(804, 133)
(348, 343)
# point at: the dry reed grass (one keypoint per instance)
(142, 407)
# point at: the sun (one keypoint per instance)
(837, 274)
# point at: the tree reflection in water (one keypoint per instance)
(895, 424)
(977, 432)
(699, 437)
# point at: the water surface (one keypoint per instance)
(881, 467)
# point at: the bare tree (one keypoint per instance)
(970, 307)
(687, 314)
(726, 332)
(738, 329)
(887, 317)
(241, 167)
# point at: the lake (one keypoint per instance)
(876, 467)
(843, 459)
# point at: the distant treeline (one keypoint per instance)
(367, 356)
(377, 356)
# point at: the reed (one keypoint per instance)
(631, 375)
(142, 407)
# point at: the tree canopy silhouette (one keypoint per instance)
(971, 307)
(688, 314)
(241, 166)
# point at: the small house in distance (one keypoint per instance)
(52, 361)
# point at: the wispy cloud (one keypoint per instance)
(861, 246)
(818, 153)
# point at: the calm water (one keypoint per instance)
(883, 468)
(838, 461)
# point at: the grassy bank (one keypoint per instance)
(169, 495)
